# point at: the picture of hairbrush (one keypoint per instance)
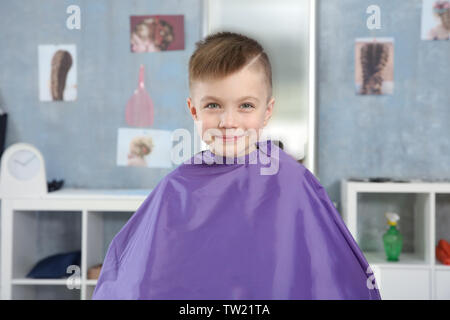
(139, 109)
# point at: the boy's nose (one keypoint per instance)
(227, 120)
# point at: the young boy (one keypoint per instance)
(242, 220)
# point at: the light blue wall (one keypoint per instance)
(406, 135)
(79, 139)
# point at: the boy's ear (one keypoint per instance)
(269, 110)
(191, 108)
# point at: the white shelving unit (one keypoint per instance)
(424, 210)
(91, 208)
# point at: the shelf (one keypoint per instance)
(86, 194)
(29, 281)
(440, 266)
(44, 292)
(91, 282)
(405, 260)
(40, 234)
(102, 227)
(414, 211)
(394, 187)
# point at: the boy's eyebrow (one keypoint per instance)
(240, 99)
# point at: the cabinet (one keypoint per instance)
(89, 216)
(424, 210)
(70, 219)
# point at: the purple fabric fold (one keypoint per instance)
(246, 230)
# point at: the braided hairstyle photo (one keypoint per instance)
(374, 58)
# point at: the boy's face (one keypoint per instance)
(236, 106)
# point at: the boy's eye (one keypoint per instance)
(249, 106)
(211, 104)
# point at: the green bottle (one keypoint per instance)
(393, 239)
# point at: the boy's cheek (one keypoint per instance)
(208, 134)
(208, 137)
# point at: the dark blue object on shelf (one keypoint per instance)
(55, 266)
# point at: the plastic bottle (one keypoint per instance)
(393, 239)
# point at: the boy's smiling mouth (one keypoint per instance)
(229, 138)
(226, 138)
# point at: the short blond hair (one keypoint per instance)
(223, 53)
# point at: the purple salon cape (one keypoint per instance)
(245, 230)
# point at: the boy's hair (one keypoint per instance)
(223, 53)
